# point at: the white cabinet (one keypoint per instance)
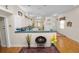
(49, 24)
(17, 21)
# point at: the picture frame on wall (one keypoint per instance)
(69, 24)
(20, 13)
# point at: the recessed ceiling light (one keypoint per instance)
(56, 14)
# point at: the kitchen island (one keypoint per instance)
(23, 36)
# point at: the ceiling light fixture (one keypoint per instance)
(29, 5)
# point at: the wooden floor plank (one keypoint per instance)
(10, 50)
(67, 45)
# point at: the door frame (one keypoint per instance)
(6, 31)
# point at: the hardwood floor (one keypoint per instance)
(64, 45)
(9, 50)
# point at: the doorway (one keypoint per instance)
(2, 32)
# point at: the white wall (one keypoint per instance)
(71, 32)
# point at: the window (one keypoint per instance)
(62, 24)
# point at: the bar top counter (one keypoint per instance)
(35, 31)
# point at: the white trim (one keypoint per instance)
(6, 10)
(5, 16)
(6, 32)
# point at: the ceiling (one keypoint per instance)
(47, 10)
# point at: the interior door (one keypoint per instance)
(2, 32)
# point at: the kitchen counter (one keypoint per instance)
(20, 37)
(34, 31)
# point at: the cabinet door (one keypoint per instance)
(17, 22)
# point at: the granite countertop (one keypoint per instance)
(34, 31)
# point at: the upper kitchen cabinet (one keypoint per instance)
(50, 24)
(19, 22)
